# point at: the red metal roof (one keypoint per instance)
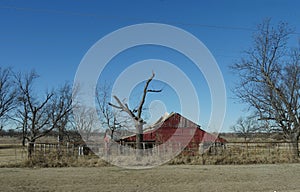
(175, 128)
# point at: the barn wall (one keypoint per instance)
(177, 129)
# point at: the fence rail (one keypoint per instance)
(255, 150)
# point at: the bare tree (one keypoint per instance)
(245, 127)
(62, 100)
(113, 120)
(7, 94)
(270, 80)
(37, 116)
(136, 114)
(61, 106)
(85, 122)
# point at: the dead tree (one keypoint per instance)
(136, 114)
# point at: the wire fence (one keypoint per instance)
(16, 153)
(12, 154)
(232, 152)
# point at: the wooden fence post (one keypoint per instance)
(44, 149)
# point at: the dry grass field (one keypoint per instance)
(258, 167)
(268, 177)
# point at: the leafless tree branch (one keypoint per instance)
(270, 79)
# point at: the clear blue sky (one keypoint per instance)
(53, 36)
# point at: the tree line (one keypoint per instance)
(32, 114)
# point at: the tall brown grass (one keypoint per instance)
(235, 153)
(258, 154)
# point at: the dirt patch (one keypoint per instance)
(281, 177)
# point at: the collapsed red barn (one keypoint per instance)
(175, 129)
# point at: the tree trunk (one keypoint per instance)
(23, 137)
(139, 140)
(23, 141)
(60, 141)
(60, 135)
(112, 134)
(295, 145)
(30, 148)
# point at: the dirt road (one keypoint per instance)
(283, 177)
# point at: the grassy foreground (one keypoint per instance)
(275, 177)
